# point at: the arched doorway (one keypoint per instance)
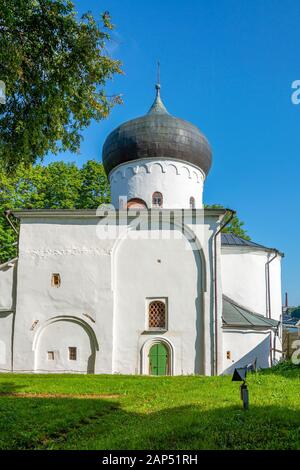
(158, 359)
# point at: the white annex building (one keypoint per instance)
(148, 285)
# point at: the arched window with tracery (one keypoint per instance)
(157, 314)
(157, 199)
(192, 202)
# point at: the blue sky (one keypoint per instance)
(227, 66)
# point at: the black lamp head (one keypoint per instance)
(239, 374)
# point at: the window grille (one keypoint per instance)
(157, 314)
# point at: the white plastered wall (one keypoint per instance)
(150, 265)
(245, 347)
(97, 274)
(71, 248)
(244, 279)
(7, 271)
(164, 269)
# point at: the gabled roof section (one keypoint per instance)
(235, 315)
(229, 239)
(32, 213)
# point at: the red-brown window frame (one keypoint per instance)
(157, 315)
(72, 353)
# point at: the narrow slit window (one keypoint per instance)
(50, 355)
(192, 202)
(55, 280)
(72, 353)
(157, 199)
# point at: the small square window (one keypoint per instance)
(72, 353)
(55, 280)
(50, 355)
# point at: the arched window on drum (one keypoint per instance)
(157, 199)
(192, 203)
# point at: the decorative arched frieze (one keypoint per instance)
(187, 170)
(117, 176)
(195, 176)
(140, 178)
(129, 172)
(148, 167)
(142, 169)
(161, 165)
(173, 166)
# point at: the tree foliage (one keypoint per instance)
(55, 68)
(56, 186)
(236, 226)
(60, 185)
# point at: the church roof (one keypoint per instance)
(235, 315)
(157, 135)
(229, 239)
(86, 213)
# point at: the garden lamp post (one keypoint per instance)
(239, 375)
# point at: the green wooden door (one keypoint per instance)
(158, 359)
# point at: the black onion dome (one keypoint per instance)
(156, 135)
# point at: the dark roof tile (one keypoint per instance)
(236, 315)
(229, 239)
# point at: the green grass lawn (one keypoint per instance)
(133, 412)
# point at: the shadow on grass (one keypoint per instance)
(29, 423)
(10, 387)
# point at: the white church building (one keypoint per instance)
(148, 285)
